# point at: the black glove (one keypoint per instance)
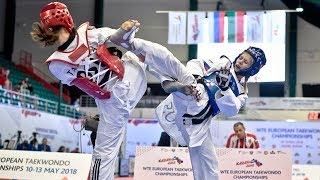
(223, 78)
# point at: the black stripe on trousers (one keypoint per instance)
(95, 170)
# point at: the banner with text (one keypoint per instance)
(254, 164)
(59, 130)
(158, 163)
(170, 163)
(305, 172)
(43, 165)
(303, 138)
(283, 103)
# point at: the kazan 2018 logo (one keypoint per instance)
(172, 160)
(249, 163)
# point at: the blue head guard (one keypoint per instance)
(259, 60)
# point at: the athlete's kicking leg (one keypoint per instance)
(155, 55)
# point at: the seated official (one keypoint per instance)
(242, 139)
(44, 146)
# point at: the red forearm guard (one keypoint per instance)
(91, 88)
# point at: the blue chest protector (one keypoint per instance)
(211, 88)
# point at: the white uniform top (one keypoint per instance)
(127, 92)
(171, 110)
(227, 102)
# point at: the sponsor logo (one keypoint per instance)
(173, 160)
(251, 163)
(272, 152)
(281, 152)
(244, 152)
(258, 103)
(76, 121)
(136, 122)
(27, 113)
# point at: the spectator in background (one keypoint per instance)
(24, 146)
(91, 124)
(29, 86)
(76, 104)
(76, 150)
(93, 137)
(164, 140)
(24, 87)
(33, 145)
(67, 150)
(16, 88)
(241, 139)
(7, 83)
(148, 91)
(62, 149)
(44, 146)
(3, 77)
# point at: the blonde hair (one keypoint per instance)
(43, 36)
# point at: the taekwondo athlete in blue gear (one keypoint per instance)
(221, 89)
(187, 112)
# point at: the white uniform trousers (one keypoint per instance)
(161, 60)
(114, 114)
(204, 160)
(110, 135)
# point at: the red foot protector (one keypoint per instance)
(113, 62)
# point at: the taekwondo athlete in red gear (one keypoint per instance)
(83, 60)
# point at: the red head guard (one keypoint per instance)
(55, 14)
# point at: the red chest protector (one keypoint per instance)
(81, 55)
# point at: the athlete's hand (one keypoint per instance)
(223, 78)
(191, 90)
